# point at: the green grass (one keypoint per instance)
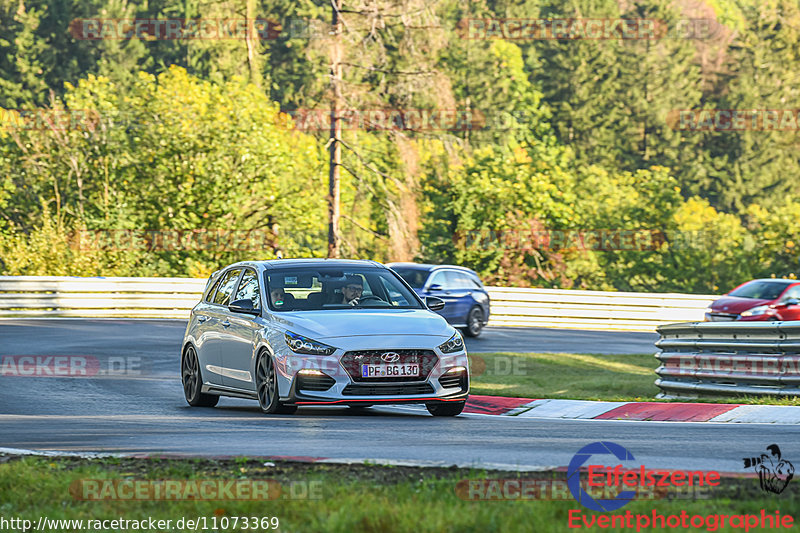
(353, 498)
(580, 377)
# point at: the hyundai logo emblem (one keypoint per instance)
(390, 357)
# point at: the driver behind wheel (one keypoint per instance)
(279, 297)
(352, 290)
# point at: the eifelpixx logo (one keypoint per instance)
(774, 472)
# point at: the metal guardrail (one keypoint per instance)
(54, 296)
(31, 296)
(729, 358)
(571, 309)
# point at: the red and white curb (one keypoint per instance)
(634, 411)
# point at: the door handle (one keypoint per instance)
(226, 324)
(202, 318)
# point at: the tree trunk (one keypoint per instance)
(334, 238)
(252, 44)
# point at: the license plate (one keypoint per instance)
(388, 371)
(722, 318)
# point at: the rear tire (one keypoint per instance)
(445, 409)
(192, 380)
(474, 322)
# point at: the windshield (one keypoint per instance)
(317, 289)
(413, 276)
(762, 290)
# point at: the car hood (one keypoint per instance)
(736, 305)
(331, 324)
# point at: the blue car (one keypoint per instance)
(466, 300)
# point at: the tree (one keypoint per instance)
(612, 97)
(22, 69)
(757, 164)
(176, 153)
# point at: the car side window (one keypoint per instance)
(226, 286)
(248, 289)
(210, 296)
(793, 292)
(395, 298)
(367, 286)
(465, 281)
(438, 279)
(473, 282)
(453, 280)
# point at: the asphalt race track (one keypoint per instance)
(144, 411)
(561, 340)
(169, 333)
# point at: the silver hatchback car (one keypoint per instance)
(297, 332)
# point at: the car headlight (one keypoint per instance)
(755, 311)
(454, 344)
(709, 310)
(299, 344)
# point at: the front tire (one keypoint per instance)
(192, 380)
(445, 409)
(474, 322)
(267, 387)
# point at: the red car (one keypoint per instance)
(759, 299)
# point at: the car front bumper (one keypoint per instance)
(314, 380)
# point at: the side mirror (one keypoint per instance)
(243, 306)
(791, 301)
(435, 287)
(434, 303)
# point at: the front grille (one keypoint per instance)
(352, 361)
(722, 317)
(453, 381)
(388, 390)
(314, 383)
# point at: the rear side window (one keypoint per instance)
(462, 280)
(453, 280)
(226, 286)
(474, 281)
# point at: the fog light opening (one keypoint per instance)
(310, 372)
